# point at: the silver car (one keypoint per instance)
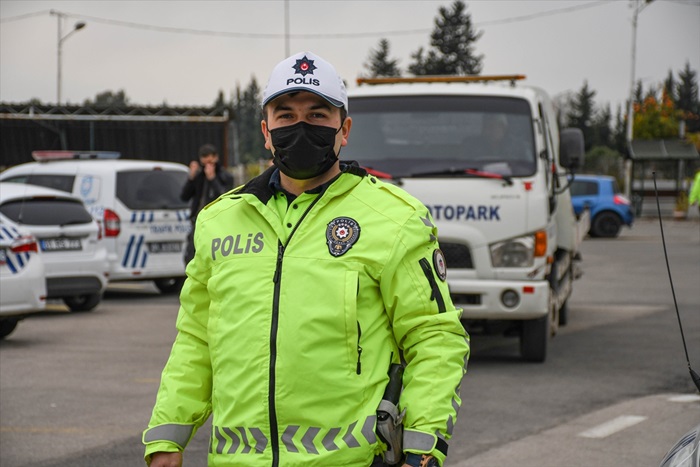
(75, 258)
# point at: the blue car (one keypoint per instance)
(610, 209)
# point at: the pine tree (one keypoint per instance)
(582, 112)
(601, 133)
(251, 144)
(379, 63)
(687, 98)
(670, 86)
(452, 42)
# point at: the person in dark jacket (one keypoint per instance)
(206, 182)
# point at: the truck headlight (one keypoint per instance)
(516, 252)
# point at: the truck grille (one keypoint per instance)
(457, 255)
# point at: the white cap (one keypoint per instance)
(306, 71)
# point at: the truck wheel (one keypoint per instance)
(533, 339)
(7, 326)
(170, 284)
(606, 224)
(85, 302)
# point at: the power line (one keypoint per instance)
(205, 32)
(28, 15)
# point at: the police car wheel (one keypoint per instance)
(85, 302)
(7, 326)
(170, 284)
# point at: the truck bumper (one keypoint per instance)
(484, 299)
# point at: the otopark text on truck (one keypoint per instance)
(486, 156)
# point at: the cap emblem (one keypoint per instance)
(341, 235)
(304, 67)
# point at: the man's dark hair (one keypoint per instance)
(207, 149)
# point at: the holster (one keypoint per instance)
(390, 430)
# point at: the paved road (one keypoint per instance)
(77, 389)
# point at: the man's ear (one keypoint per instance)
(266, 135)
(345, 130)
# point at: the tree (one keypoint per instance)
(581, 113)
(109, 99)
(619, 142)
(687, 98)
(452, 42)
(602, 160)
(655, 119)
(601, 130)
(379, 63)
(251, 144)
(220, 102)
(670, 86)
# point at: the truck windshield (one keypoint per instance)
(410, 135)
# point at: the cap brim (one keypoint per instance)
(334, 102)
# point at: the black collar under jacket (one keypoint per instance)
(260, 185)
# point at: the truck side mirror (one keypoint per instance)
(571, 148)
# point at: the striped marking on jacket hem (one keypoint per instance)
(293, 438)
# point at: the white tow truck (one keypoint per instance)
(486, 156)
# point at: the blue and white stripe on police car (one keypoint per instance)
(141, 217)
(15, 261)
(135, 255)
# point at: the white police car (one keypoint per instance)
(22, 282)
(145, 223)
(75, 260)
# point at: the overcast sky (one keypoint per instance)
(184, 52)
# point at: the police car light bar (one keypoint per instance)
(46, 156)
(440, 79)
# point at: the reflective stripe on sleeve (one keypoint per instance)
(178, 434)
(418, 441)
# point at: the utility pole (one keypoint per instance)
(286, 29)
(78, 26)
(637, 6)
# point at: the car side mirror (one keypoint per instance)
(571, 149)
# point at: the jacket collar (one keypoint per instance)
(260, 185)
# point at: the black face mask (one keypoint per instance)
(304, 151)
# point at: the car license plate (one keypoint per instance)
(61, 244)
(164, 247)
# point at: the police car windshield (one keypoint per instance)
(408, 135)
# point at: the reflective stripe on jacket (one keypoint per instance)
(288, 325)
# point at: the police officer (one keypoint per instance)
(308, 282)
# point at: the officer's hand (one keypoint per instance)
(166, 459)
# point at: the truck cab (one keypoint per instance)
(486, 156)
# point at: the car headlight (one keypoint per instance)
(516, 252)
(685, 452)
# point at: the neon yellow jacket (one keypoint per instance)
(290, 318)
(695, 190)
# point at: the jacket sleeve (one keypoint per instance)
(188, 188)
(183, 402)
(428, 329)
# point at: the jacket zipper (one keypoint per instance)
(436, 295)
(359, 349)
(277, 279)
(273, 357)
